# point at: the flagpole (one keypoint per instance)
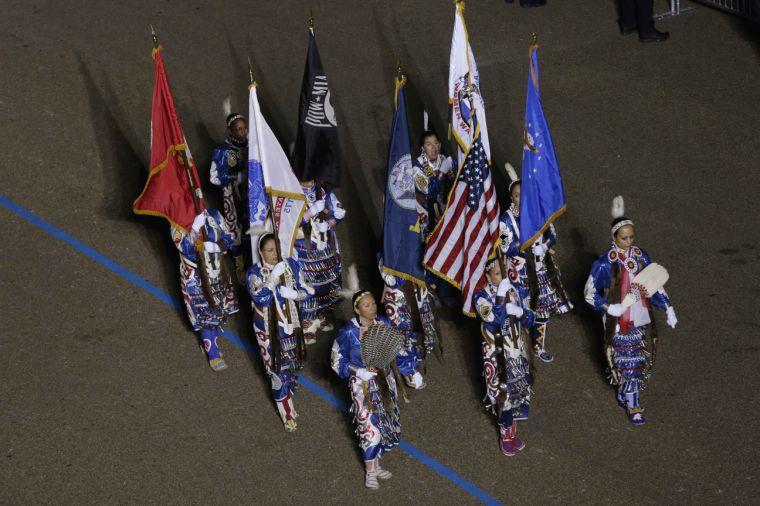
(155, 37)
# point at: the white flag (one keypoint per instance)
(464, 89)
(276, 186)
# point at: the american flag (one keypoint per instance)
(459, 246)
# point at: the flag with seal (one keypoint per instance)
(402, 242)
(464, 90)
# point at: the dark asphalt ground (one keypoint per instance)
(104, 397)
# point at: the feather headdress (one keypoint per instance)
(618, 207)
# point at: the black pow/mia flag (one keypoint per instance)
(317, 152)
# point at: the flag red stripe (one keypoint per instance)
(480, 243)
(473, 232)
(477, 240)
(444, 231)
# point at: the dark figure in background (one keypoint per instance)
(636, 15)
(528, 3)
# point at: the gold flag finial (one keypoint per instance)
(311, 18)
(156, 45)
(534, 38)
(250, 70)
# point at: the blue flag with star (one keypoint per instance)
(542, 197)
(402, 239)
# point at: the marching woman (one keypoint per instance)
(626, 328)
(540, 277)
(374, 390)
(206, 285)
(229, 165)
(319, 255)
(275, 288)
(505, 363)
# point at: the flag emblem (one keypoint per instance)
(321, 113)
(401, 183)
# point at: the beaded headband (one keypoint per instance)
(621, 224)
(233, 119)
(358, 296)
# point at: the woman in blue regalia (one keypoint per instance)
(374, 393)
(276, 288)
(229, 169)
(626, 329)
(209, 299)
(502, 311)
(540, 278)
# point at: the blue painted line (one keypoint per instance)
(330, 398)
(446, 472)
(413, 452)
(101, 259)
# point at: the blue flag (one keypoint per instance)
(402, 241)
(542, 198)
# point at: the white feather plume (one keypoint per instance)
(257, 232)
(227, 106)
(351, 285)
(618, 207)
(261, 228)
(511, 172)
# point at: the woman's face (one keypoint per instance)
(366, 307)
(431, 147)
(494, 274)
(269, 251)
(239, 130)
(624, 237)
(515, 195)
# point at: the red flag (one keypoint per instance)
(168, 192)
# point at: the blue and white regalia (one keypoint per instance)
(544, 289)
(432, 180)
(629, 360)
(375, 412)
(229, 165)
(396, 309)
(279, 347)
(319, 256)
(625, 304)
(210, 233)
(505, 363)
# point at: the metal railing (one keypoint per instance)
(740, 7)
(675, 10)
(749, 9)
